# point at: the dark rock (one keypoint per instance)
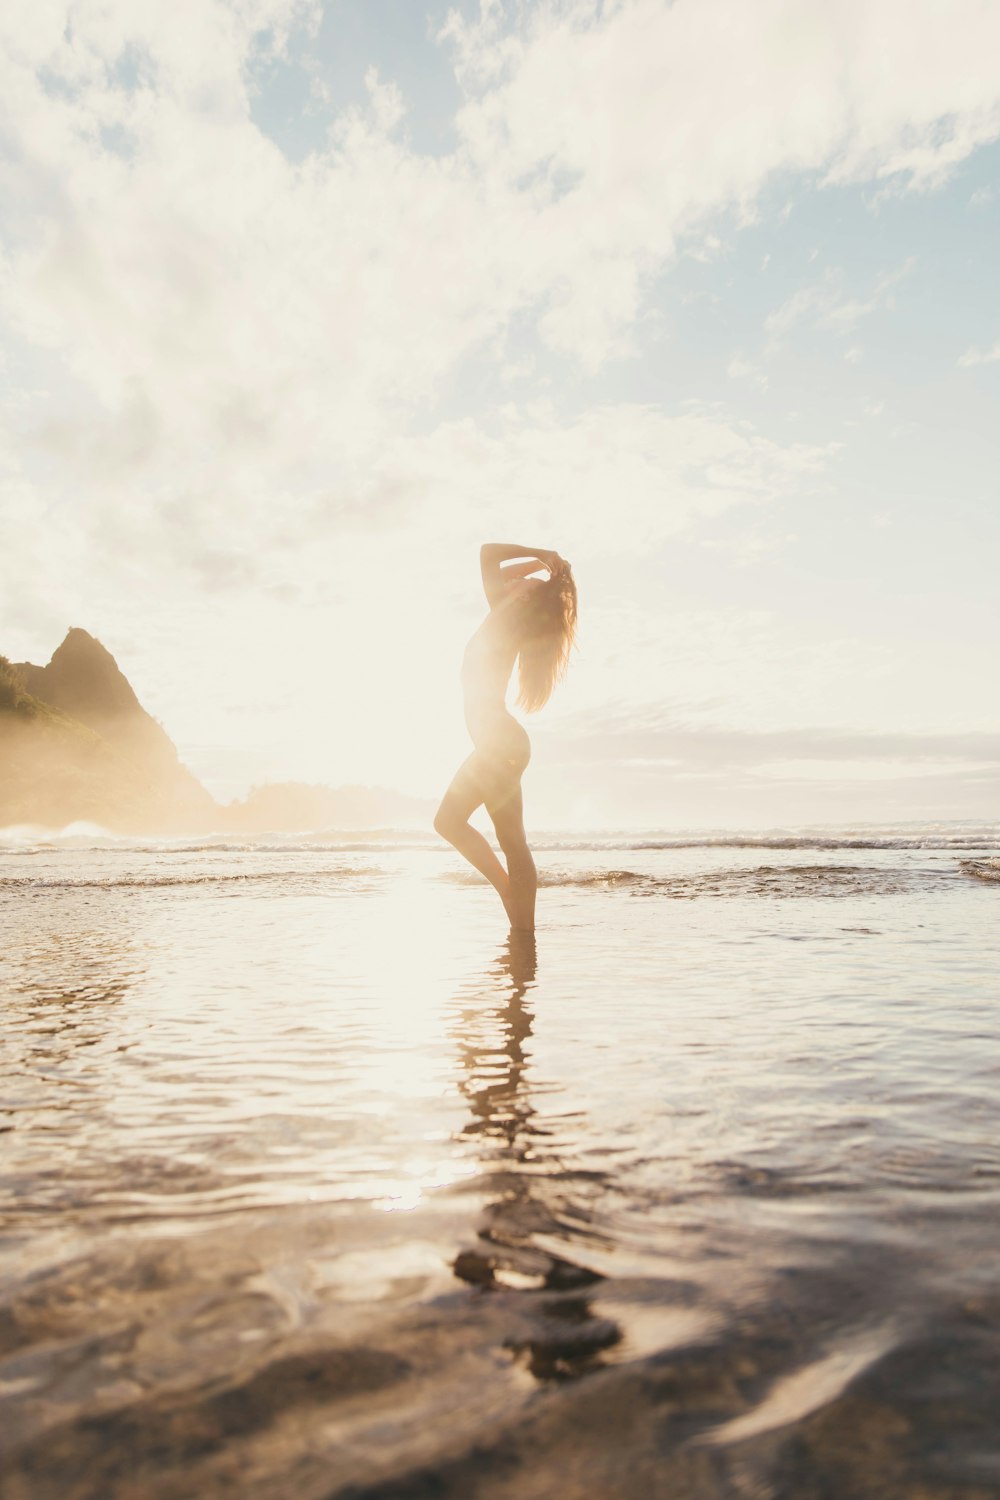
(77, 745)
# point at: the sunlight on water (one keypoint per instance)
(297, 1145)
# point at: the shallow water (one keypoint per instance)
(313, 1185)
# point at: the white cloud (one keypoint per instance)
(619, 480)
(178, 265)
(672, 772)
(659, 115)
(741, 368)
(976, 356)
(826, 305)
(245, 372)
(893, 770)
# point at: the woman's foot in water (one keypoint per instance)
(520, 903)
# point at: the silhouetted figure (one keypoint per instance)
(532, 621)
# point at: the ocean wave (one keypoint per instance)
(25, 839)
(28, 837)
(807, 880)
(966, 837)
(758, 880)
(292, 878)
(807, 842)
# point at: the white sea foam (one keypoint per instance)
(978, 837)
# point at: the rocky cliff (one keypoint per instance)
(76, 744)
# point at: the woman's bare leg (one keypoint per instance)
(451, 821)
(508, 820)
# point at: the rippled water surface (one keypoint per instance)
(314, 1185)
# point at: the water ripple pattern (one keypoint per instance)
(314, 1183)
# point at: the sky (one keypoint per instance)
(301, 302)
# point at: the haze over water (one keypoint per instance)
(312, 1184)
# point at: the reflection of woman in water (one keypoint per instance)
(531, 621)
(535, 1186)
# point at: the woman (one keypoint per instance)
(531, 621)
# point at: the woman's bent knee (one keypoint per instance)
(447, 822)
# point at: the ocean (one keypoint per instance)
(315, 1185)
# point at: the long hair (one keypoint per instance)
(547, 632)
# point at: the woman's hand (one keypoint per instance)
(493, 554)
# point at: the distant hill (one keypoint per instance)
(77, 745)
(292, 807)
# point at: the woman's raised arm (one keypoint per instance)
(493, 554)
